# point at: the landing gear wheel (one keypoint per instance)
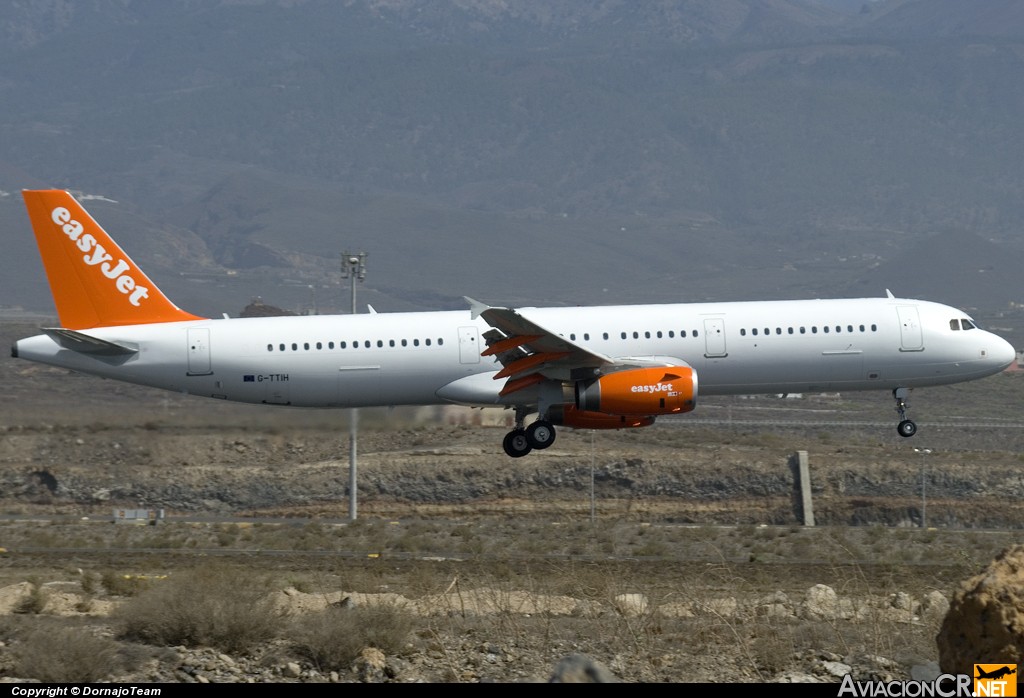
(516, 444)
(906, 427)
(540, 434)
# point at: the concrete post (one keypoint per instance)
(804, 477)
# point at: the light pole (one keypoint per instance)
(924, 499)
(353, 267)
(593, 504)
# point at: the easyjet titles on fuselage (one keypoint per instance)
(99, 256)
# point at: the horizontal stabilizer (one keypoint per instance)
(86, 344)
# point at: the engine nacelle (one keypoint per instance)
(569, 416)
(640, 391)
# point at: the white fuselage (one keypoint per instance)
(434, 357)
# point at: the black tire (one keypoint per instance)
(906, 428)
(516, 444)
(540, 434)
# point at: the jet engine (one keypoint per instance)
(640, 391)
(569, 416)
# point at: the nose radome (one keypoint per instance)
(1003, 352)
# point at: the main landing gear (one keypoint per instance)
(905, 428)
(521, 440)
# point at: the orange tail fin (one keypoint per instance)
(94, 283)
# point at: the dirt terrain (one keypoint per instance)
(701, 509)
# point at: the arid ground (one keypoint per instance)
(672, 553)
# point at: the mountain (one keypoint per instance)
(525, 151)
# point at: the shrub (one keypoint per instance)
(36, 600)
(223, 607)
(334, 637)
(117, 584)
(65, 655)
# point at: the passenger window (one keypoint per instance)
(319, 345)
(405, 342)
(825, 329)
(743, 332)
(623, 335)
(572, 336)
(415, 342)
(330, 345)
(636, 335)
(270, 347)
(671, 334)
(606, 335)
(586, 336)
(295, 347)
(427, 342)
(874, 328)
(695, 333)
(391, 342)
(754, 331)
(440, 341)
(281, 347)
(790, 330)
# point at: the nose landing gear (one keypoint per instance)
(906, 428)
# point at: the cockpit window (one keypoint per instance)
(968, 325)
(954, 325)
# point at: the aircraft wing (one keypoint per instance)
(530, 353)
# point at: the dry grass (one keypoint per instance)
(214, 605)
(331, 639)
(701, 596)
(55, 653)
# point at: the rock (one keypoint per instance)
(821, 602)
(579, 668)
(985, 621)
(934, 606)
(929, 671)
(631, 604)
(370, 665)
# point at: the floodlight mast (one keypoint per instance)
(353, 268)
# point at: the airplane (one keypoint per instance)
(1005, 670)
(601, 367)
